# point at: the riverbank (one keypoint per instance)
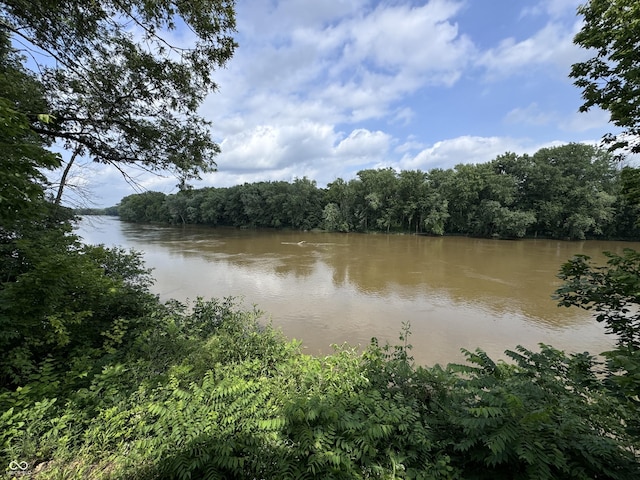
(215, 395)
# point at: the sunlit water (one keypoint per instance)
(324, 288)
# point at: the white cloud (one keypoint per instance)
(340, 63)
(411, 144)
(595, 118)
(324, 89)
(468, 149)
(266, 21)
(552, 8)
(285, 99)
(410, 40)
(552, 45)
(402, 116)
(288, 151)
(95, 184)
(530, 115)
(269, 147)
(364, 145)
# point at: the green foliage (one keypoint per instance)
(111, 211)
(22, 152)
(59, 298)
(121, 88)
(333, 220)
(234, 400)
(628, 208)
(610, 79)
(144, 207)
(612, 291)
(98, 379)
(630, 179)
(573, 191)
(624, 381)
(540, 417)
(572, 188)
(437, 214)
(492, 219)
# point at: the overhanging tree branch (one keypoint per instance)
(123, 101)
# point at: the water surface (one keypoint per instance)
(326, 288)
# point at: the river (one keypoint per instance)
(329, 288)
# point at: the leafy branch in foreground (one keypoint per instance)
(546, 415)
(610, 79)
(612, 291)
(122, 85)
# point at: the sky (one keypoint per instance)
(328, 88)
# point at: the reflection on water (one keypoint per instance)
(326, 288)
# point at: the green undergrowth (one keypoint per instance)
(210, 392)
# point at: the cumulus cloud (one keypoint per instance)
(468, 149)
(292, 91)
(347, 62)
(402, 39)
(293, 151)
(363, 144)
(269, 147)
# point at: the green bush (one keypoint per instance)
(547, 415)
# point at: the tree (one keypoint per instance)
(377, 197)
(482, 198)
(492, 219)
(59, 300)
(570, 188)
(630, 179)
(303, 206)
(119, 90)
(332, 219)
(343, 195)
(212, 206)
(144, 207)
(22, 150)
(541, 415)
(436, 213)
(611, 78)
(412, 186)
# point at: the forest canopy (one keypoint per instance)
(571, 191)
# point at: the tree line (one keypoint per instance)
(572, 191)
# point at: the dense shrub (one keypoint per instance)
(214, 394)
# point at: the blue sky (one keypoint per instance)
(325, 89)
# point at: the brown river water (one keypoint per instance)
(329, 288)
